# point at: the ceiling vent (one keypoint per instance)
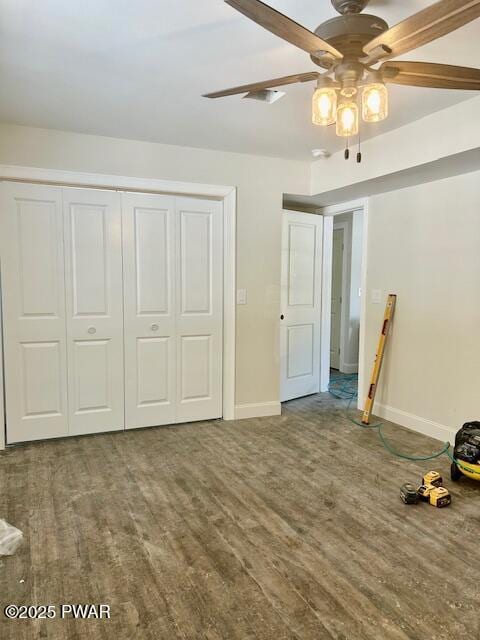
(320, 153)
(266, 95)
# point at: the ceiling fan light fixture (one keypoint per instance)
(324, 103)
(374, 102)
(348, 91)
(348, 48)
(347, 119)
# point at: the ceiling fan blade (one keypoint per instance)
(284, 27)
(429, 24)
(427, 74)
(267, 84)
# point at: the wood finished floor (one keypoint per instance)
(275, 528)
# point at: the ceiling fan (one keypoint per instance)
(349, 46)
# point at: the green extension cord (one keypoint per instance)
(348, 391)
(345, 392)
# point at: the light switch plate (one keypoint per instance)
(376, 296)
(241, 296)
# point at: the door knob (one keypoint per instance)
(154, 327)
(92, 330)
(282, 317)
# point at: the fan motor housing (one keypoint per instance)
(350, 33)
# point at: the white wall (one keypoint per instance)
(423, 245)
(439, 135)
(415, 249)
(260, 181)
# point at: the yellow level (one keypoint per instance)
(387, 318)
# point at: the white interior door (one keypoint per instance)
(301, 304)
(199, 304)
(336, 308)
(149, 289)
(33, 288)
(93, 247)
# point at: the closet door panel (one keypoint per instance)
(196, 262)
(93, 243)
(153, 364)
(196, 367)
(33, 304)
(149, 246)
(91, 369)
(199, 268)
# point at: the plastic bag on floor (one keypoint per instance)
(10, 538)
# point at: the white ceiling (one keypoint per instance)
(137, 69)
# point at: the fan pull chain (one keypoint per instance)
(347, 151)
(359, 153)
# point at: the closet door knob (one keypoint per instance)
(92, 330)
(154, 327)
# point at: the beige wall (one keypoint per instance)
(441, 134)
(260, 181)
(423, 244)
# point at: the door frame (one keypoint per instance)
(224, 193)
(329, 214)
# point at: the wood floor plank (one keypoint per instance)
(281, 528)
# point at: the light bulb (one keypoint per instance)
(375, 102)
(347, 119)
(324, 106)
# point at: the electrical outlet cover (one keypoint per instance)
(241, 296)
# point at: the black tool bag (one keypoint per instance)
(467, 443)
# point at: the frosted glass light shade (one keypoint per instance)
(324, 106)
(347, 119)
(375, 102)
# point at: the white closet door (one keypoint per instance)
(93, 246)
(301, 303)
(33, 311)
(199, 289)
(149, 267)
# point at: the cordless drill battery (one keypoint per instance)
(440, 497)
(408, 493)
(433, 477)
(424, 492)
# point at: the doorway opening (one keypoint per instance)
(323, 271)
(345, 303)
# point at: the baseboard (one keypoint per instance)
(349, 368)
(415, 423)
(403, 418)
(257, 410)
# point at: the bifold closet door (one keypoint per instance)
(94, 301)
(33, 301)
(173, 265)
(199, 303)
(149, 287)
